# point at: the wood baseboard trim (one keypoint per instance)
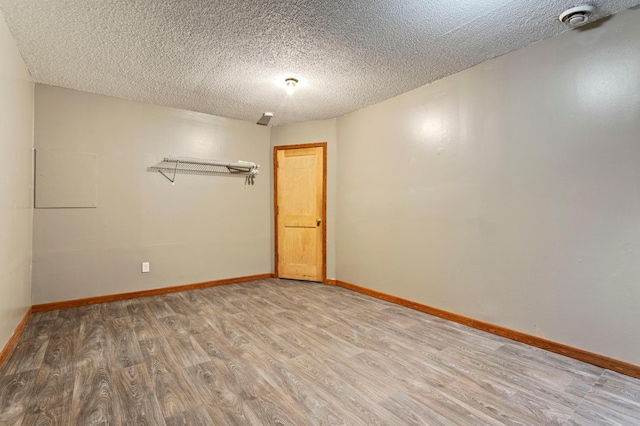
(549, 345)
(143, 293)
(14, 337)
(331, 281)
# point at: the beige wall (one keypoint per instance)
(309, 132)
(203, 228)
(16, 180)
(509, 192)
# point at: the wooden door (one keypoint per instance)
(300, 188)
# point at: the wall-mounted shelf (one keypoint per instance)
(170, 166)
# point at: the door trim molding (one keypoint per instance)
(322, 145)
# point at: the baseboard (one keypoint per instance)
(331, 281)
(14, 337)
(549, 345)
(143, 293)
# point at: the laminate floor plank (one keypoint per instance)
(217, 302)
(481, 371)
(410, 376)
(125, 350)
(372, 340)
(194, 323)
(613, 391)
(452, 337)
(27, 355)
(115, 309)
(90, 310)
(313, 321)
(542, 410)
(16, 391)
(272, 410)
(550, 361)
(275, 323)
(504, 409)
(558, 377)
(55, 379)
(170, 386)
(410, 412)
(187, 350)
(291, 353)
(44, 316)
(350, 371)
(249, 382)
(580, 387)
(262, 335)
(93, 400)
(58, 417)
(247, 304)
(325, 416)
(618, 385)
(137, 403)
(451, 407)
(196, 299)
(602, 415)
(222, 393)
(283, 379)
(159, 307)
(550, 378)
(392, 339)
(194, 416)
(38, 329)
(229, 334)
(179, 303)
(173, 325)
(145, 323)
(356, 405)
(67, 323)
(331, 342)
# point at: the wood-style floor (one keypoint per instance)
(285, 352)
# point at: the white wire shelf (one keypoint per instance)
(170, 166)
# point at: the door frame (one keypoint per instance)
(322, 145)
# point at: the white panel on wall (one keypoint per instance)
(66, 179)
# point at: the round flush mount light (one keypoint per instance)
(290, 83)
(578, 15)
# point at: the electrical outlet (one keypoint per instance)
(145, 267)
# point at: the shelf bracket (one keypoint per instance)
(174, 173)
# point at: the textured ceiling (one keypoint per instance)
(227, 57)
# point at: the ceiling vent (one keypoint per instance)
(264, 120)
(578, 15)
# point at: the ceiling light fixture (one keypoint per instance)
(291, 84)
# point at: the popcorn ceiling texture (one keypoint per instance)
(225, 57)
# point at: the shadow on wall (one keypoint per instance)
(594, 25)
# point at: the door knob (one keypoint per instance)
(318, 222)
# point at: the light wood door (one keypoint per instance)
(300, 211)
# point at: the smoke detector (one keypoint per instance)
(578, 15)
